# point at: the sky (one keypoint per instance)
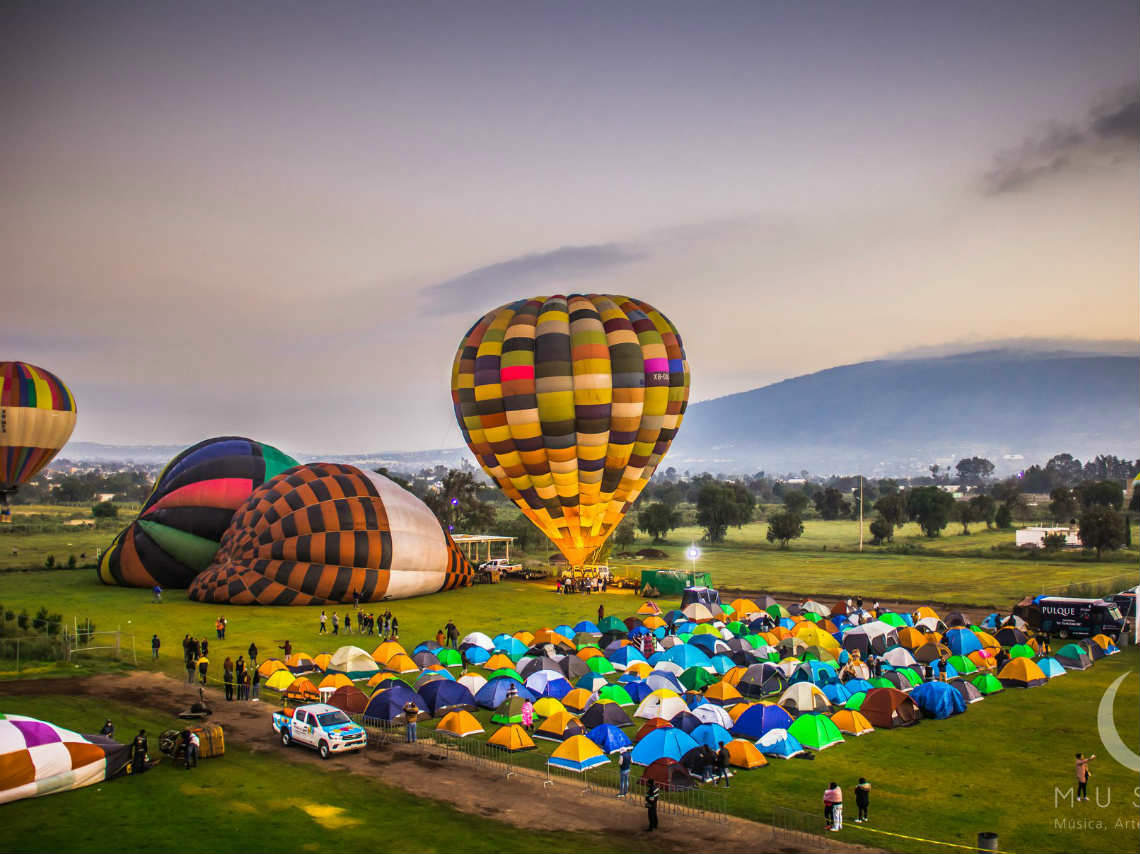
(277, 219)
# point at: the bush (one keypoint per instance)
(71, 561)
(1053, 542)
(49, 561)
(1003, 518)
(105, 510)
(40, 621)
(22, 619)
(9, 615)
(882, 531)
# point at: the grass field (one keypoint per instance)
(247, 802)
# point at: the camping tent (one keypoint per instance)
(804, 697)
(778, 742)
(938, 700)
(1073, 657)
(460, 724)
(609, 738)
(815, 731)
(577, 753)
(670, 775)
(744, 754)
(349, 699)
(444, 695)
(511, 738)
(388, 703)
(886, 708)
(1021, 673)
(665, 742)
(760, 719)
(851, 722)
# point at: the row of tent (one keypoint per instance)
(781, 680)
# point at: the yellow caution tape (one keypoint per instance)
(927, 841)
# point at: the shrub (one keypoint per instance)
(49, 561)
(22, 619)
(71, 562)
(105, 510)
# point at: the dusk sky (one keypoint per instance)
(277, 219)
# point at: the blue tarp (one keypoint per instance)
(938, 700)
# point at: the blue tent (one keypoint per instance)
(492, 695)
(547, 684)
(836, 692)
(512, 648)
(591, 682)
(685, 626)
(664, 679)
(1051, 667)
(714, 735)
(638, 691)
(445, 696)
(609, 738)
(667, 742)
(388, 705)
(586, 626)
(722, 664)
(817, 672)
(672, 617)
(781, 743)
(475, 655)
(758, 720)
(686, 655)
(636, 632)
(624, 656)
(707, 643)
(426, 646)
(565, 630)
(686, 721)
(694, 699)
(854, 686)
(629, 678)
(938, 700)
(961, 641)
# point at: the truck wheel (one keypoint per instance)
(323, 749)
(285, 739)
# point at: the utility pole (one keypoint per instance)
(860, 512)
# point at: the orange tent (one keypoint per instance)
(497, 661)
(334, 681)
(269, 667)
(723, 694)
(588, 652)
(739, 709)
(653, 623)
(402, 664)
(639, 668)
(524, 637)
(911, 637)
(302, 691)
(382, 676)
(851, 722)
(733, 674)
(322, 661)
(649, 608)
(743, 754)
(459, 724)
(511, 738)
(387, 650)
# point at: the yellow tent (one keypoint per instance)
(925, 612)
(460, 724)
(640, 668)
(743, 754)
(554, 727)
(578, 700)
(511, 738)
(547, 706)
(381, 677)
(723, 694)
(577, 753)
(649, 608)
(280, 680)
(988, 641)
(741, 608)
(334, 681)
(387, 650)
(497, 661)
(269, 667)
(851, 722)
(402, 664)
(322, 661)
(1103, 641)
(813, 635)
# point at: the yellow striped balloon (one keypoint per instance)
(37, 415)
(569, 403)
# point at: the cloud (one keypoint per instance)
(526, 274)
(1109, 131)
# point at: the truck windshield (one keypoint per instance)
(1114, 613)
(333, 719)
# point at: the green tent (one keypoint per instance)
(855, 701)
(882, 682)
(509, 712)
(987, 683)
(600, 665)
(815, 731)
(502, 671)
(616, 693)
(892, 619)
(913, 678)
(612, 624)
(962, 664)
(449, 657)
(777, 611)
(697, 678)
(672, 582)
(737, 628)
(811, 616)
(1021, 650)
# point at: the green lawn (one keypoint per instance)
(246, 802)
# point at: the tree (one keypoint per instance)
(795, 501)
(974, 470)
(882, 531)
(892, 507)
(1062, 504)
(831, 504)
(1065, 469)
(784, 526)
(1101, 528)
(105, 510)
(624, 534)
(931, 508)
(456, 502)
(657, 520)
(720, 505)
(964, 513)
(1053, 542)
(984, 509)
(1004, 517)
(1105, 493)
(1134, 504)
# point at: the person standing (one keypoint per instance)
(286, 648)
(324, 620)
(1082, 768)
(347, 623)
(526, 712)
(255, 685)
(863, 799)
(139, 750)
(243, 685)
(722, 760)
(228, 678)
(440, 638)
(651, 796)
(157, 590)
(411, 714)
(155, 643)
(189, 668)
(336, 624)
(395, 628)
(355, 599)
(203, 666)
(601, 613)
(252, 652)
(829, 805)
(624, 766)
(239, 677)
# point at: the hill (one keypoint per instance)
(898, 416)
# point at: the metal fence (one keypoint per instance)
(707, 801)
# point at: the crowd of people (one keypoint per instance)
(594, 583)
(385, 625)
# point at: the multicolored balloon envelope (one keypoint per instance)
(176, 534)
(37, 415)
(39, 758)
(570, 403)
(318, 533)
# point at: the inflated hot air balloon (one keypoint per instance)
(37, 415)
(177, 532)
(318, 533)
(569, 404)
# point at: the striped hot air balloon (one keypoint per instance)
(569, 404)
(37, 415)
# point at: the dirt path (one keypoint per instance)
(521, 800)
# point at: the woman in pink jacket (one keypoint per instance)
(527, 712)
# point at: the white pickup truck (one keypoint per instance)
(320, 726)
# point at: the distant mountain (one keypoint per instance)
(898, 416)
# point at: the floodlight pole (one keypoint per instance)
(860, 512)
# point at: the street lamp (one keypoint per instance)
(692, 554)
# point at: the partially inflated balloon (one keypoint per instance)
(37, 415)
(177, 532)
(570, 403)
(320, 533)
